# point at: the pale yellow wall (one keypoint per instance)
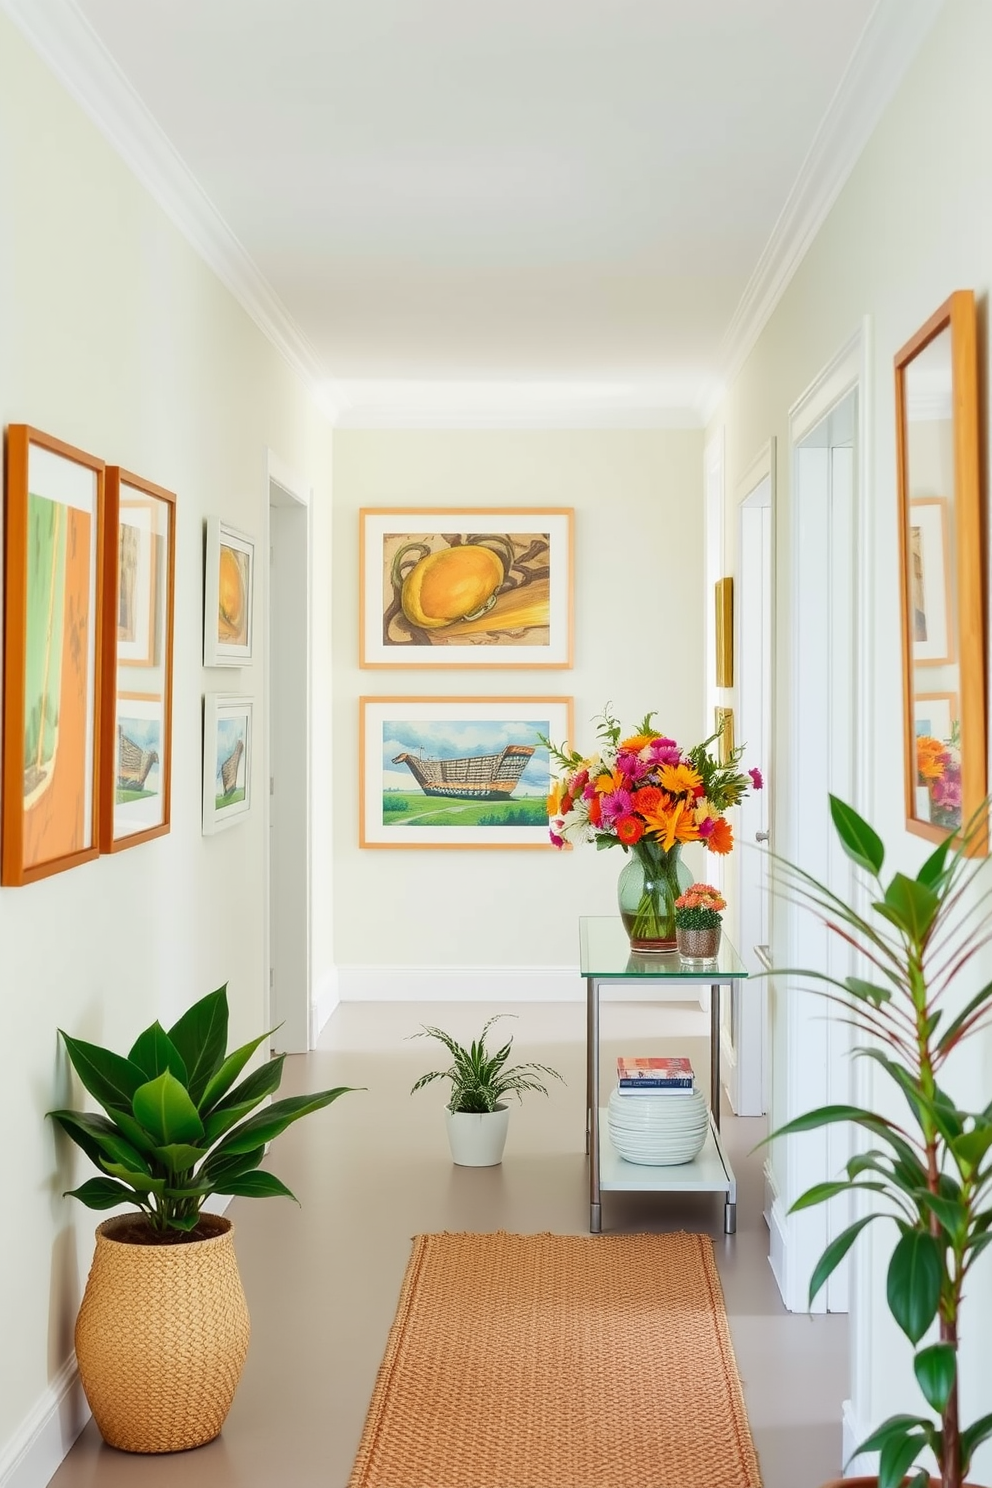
(913, 223)
(117, 338)
(638, 644)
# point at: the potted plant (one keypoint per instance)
(698, 923)
(476, 1115)
(933, 1169)
(163, 1328)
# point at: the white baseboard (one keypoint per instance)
(326, 996)
(32, 1456)
(489, 984)
(778, 1246)
(854, 1431)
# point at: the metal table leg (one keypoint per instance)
(715, 1053)
(592, 1103)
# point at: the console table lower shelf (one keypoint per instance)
(709, 1172)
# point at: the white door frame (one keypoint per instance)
(292, 847)
(797, 1240)
(744, 1035)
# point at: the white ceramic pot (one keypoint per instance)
(477, 1139)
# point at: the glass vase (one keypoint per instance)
(648, 887)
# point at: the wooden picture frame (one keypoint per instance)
(466, 587)
(228, 595)
(52, 647)
(227, 760)
(457, 772)
(724, 599)
(138, 619)
(940, 570)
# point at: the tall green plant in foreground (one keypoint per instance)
(175, 1132)
(934, 1171)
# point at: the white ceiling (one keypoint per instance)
(566, 197)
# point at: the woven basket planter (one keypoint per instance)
(161, 1338)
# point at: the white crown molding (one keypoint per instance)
(508, 405)
(888, 44)
(64, 39)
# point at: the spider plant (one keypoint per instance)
(480, 1079)
(931, 1173)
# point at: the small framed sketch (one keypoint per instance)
(136, 707)
(457, 772)
(227, 750)
(467, 587)
(228, 595)
(53, 616)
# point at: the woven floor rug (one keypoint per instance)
(557, 1361)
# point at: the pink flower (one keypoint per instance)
(705, 827)
(632, 765)
(757, 779)
(664, 752)
(615, 804)
(556, 841)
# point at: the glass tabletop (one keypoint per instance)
(604, 951)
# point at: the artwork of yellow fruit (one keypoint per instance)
(451, 584)
(232, 596)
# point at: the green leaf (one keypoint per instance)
(910, 905)
(216, 1168)
(835, 1253)
(154, 1052)
(893, 1429)
(951, 1033)
(139, 1181)
(267, 1124)
(221, 1082)
(201, 1038)
(256, 1185)
(970, 1148)
(98, 1137)
(936, 1369)
(135, 1132)
(973, 1436)
(898, 1455)
(913, 1286)
(860, 841)
(935, 866)
(244, 1098)
(110, 1079)
(179, 1157)
(867, 991)
(165, 1110)
(183, 1221)
(952, 1214)
(101, 1193)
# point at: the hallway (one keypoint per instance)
(322, 1281)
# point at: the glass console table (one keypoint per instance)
(605, 956)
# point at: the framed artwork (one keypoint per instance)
(724, 728)
(941, 572)
(724, 632)
(52, 638)
(227, 747)
(457, 772)
(929, 581)
(136, 712)
(228, 595)
(481, 586)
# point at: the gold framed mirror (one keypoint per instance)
(940, 527)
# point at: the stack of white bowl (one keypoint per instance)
(658, 1130)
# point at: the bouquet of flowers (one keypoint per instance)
(938, 767)
(648, 795)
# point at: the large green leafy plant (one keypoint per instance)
(480, 1079)
(178, 1127)
(932, 1171)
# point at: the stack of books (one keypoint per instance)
(654, 1076)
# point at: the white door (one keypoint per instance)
(745, 1030)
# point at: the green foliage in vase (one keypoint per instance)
(698, 919)
(177, 1127)
(933, 1170)
(480, 1079)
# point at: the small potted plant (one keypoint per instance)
(476, 1115)
(698, 921)
(162, 1331)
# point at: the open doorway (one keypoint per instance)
(288, 798)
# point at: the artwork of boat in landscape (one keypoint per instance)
(476, 777)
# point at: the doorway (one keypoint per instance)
(288, 797)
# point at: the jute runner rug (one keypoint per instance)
(556, 1361)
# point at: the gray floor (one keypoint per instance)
(373, 1170)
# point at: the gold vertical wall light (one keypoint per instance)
(724, 723)
(724, 632)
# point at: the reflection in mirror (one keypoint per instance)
(943, 640)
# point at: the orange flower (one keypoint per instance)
(637, 742)
(630, 829)
(930, 759)
(610, 780)
(646, 799)
(721, 839)
(670, 822)
(681, 780)
(686, 829)
(595, 812)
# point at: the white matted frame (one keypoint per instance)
(457, 772)
(466, 587)
(228, 595)
(227, 759)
